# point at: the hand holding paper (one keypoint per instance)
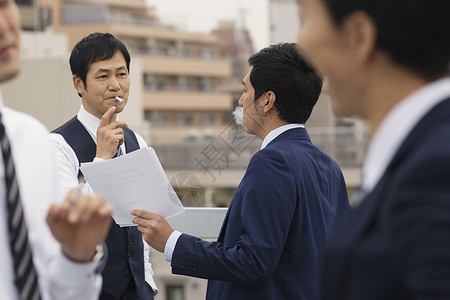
(133, 181)
(155, 229)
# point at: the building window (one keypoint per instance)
(24, 2)
(175, 292)
(207, 119)
(156, 119)
(184, 120)
(183, 84)
(205, 85)
(149, 82)
(160, 84)
(159, 121)
(207, 53)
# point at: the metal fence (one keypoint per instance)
(233, 148)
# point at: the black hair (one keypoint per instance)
(415, 33)
(94, 48)
(284, 70)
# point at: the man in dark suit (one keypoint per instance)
(289, 201)
(387, 61)
(100, 64)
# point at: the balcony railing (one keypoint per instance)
(98, 13)
(233, 148)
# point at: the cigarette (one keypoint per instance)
(80, 189)
(77, 196)
(119, 99)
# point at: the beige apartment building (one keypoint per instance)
(181, 71)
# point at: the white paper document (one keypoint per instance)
(135, 180)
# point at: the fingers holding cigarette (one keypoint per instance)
(78, 205)
(82, 206)
(80, 223)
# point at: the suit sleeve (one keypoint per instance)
(268, 200)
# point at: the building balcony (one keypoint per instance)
(205, 59)
(128, 26)
(162, 33)
(224, 153)
(186, 101)
(139, 4)
(162, 65)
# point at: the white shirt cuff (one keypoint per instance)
(75, 273)
(170, 245)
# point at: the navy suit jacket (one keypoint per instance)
(285, 207)
(396, 244)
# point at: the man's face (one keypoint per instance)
(253, 121)
(9, 40)
(105, 80)
(330, 50)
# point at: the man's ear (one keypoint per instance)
(361, 32)
(78, 84)
(269, 101)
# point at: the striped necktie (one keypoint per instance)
(25, 273)
(118, 152)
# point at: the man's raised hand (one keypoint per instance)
(109, 134)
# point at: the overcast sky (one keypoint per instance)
(204, 15)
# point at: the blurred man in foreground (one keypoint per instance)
(387, 61)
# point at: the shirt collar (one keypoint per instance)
(277, 131)
(396, 126)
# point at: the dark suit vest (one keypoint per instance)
(125, 246)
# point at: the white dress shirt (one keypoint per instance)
(173, 238)
(396, 126)
(59, 278)
(68, 167)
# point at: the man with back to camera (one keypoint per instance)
(387, 61)
(290, 199)
(35, 264)
(100, 65)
